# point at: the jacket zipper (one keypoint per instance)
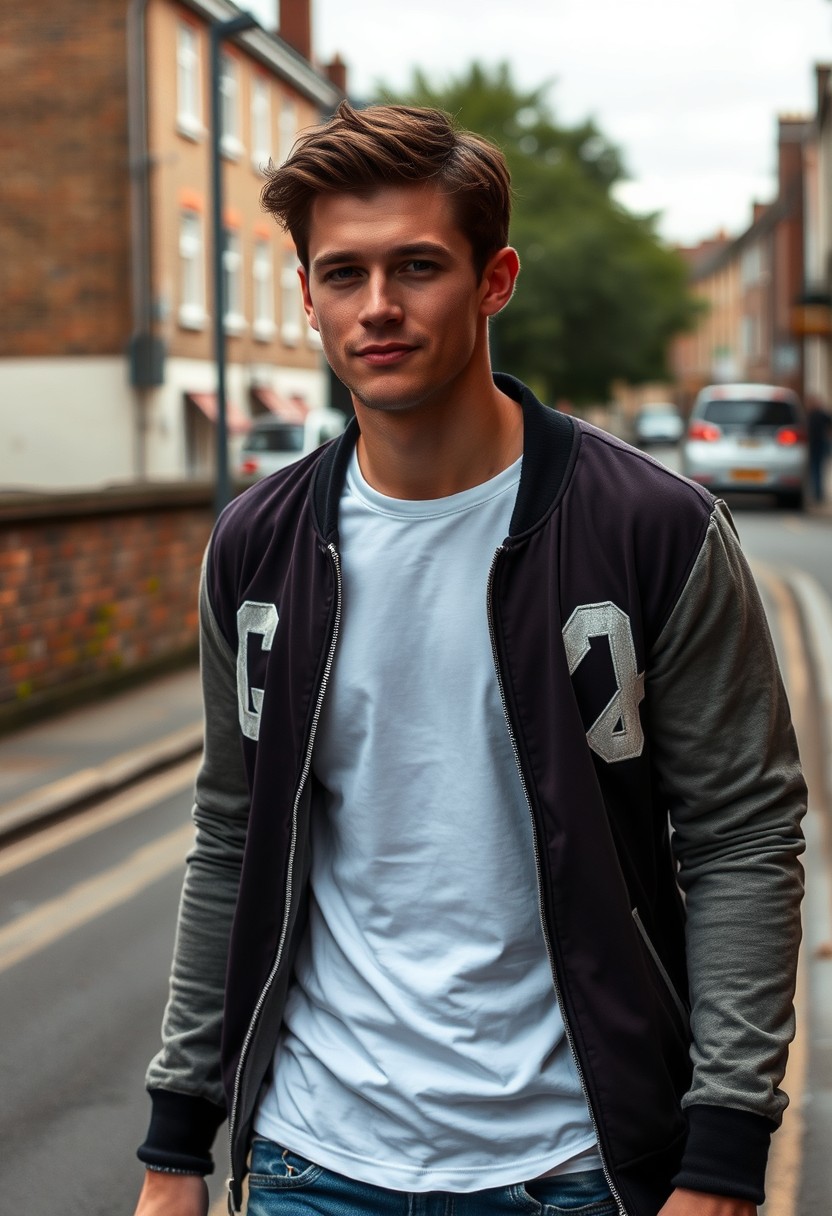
(232, 1121)
(555, 982)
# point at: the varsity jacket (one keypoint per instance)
(653, 740)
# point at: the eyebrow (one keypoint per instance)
(416, 249)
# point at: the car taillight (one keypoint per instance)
(249, 466)
(788, 436)
(705, 431)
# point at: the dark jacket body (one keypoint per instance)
(613, 602)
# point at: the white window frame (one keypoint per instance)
(192, 314)
(262, 273)
(747, 336)
(234, 321)
(291, 313)
(231, 145)
(288, 130)
(188, 83)
(261, 124)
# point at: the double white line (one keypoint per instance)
(87, 900)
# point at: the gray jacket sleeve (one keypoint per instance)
(189, 1062)
(727, 760)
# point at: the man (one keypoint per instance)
(461, 668)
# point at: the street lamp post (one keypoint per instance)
(220, 30)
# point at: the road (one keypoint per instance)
(87, 911)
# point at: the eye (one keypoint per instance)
(420, 266)
(340, 274)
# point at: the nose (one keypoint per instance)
(380, 304)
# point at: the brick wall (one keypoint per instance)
(96, 588)
(64, 218)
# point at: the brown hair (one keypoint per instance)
(360, 150)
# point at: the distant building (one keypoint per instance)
(106, 355)
(813, 312)
(760, 289)
(748, 286)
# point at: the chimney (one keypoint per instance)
(792, 130)
(296, 26)
(337, 73)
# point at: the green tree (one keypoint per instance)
(600, 295)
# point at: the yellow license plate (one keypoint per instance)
(748, 474)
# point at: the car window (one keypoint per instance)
(750, 413)
(288, 438)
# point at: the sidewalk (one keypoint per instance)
(87, 752)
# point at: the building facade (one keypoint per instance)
(767, 294)
(813, 314)
(107, 369)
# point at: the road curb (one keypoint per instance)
(70, 793)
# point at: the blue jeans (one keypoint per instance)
(283, 1184)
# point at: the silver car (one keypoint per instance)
(658, 422)
(274, 442)
(743, 437)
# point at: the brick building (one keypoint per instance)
(751, 287)
(813, 313)
(106, 355)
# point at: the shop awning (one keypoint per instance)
(236, 420)
(290, 409)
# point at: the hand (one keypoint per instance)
(172, 1195)
(698, 1203)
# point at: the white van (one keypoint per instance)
(273, 442)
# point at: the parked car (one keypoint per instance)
(748, 437)
(273, 442)
(658, 422)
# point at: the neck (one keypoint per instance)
(443, 446)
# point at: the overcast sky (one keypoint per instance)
(688, 91)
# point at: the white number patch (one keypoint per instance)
(262, 620)
(616, 733)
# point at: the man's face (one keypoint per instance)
(391, 289)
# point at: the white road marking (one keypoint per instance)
(55, 918)
(117, 808)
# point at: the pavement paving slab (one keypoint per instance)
(54, 765)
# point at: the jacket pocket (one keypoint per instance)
(678, 1004)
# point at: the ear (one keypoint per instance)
(498, 279)
(308, 306)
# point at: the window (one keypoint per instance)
(747, 336)
(288, 129)
(263, 274)
(261, 124)
(188, 101)
(232, 282)
(230, 142)
(191, 271)
(290, 329)
(751, 265)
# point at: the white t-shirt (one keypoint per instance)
(423, 1048)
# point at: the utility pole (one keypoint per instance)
(220, 30)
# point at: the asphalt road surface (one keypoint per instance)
(87, 912)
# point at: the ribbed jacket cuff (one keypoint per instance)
(182, 1130)
(726, 1152)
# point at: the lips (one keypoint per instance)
(384, 354)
